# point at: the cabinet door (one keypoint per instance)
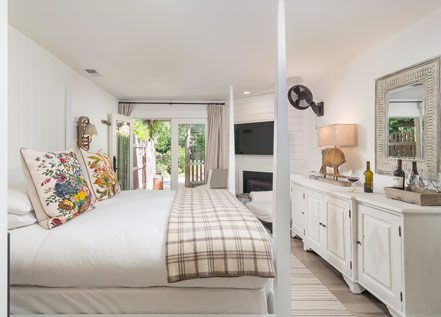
(379, 254)
(297, 210)
(337, 243)
(312, 220)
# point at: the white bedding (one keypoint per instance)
(263, 210)
(119, 244)
(152, 300)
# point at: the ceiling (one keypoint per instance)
(194, 49)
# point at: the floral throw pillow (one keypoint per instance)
(56, 185)
(102, 179)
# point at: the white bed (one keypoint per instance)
(112, 260)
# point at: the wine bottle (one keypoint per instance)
(413, 176)
(399, 176)
(368, 179)
(414, 168)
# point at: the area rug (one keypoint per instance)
(309, 297)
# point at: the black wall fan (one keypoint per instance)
(300, 97)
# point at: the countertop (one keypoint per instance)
(377, 199)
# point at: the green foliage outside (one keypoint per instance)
(159, 131)
(401, 124)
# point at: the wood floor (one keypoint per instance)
(362, 305)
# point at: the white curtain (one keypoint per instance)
(214, 157)
(125, 108)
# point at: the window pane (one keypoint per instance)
(191, 158)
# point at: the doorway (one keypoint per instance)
(158, 153)
(151, 154)
(191, 154)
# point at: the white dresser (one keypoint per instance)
(391, 248)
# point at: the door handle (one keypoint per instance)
(114, 164)
(358, 242)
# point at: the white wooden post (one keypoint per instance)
(281, 200)
(3, 154)
(231, 156)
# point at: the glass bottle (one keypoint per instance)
(413, 177)
(368, 179)
(399, 176)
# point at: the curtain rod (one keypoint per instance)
(405, 101)
(172, 103)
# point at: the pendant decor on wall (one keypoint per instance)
(300, 97)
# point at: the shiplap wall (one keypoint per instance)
(38, 82)
(257, 109)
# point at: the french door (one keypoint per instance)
(121, 149)
(187, 152)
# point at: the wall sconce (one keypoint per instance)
(85, 132)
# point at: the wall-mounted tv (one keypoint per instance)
(254, 138)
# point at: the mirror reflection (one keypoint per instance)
(406, 121)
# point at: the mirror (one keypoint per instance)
(407, 108)
(405, 116)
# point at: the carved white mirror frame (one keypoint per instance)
(428, 73)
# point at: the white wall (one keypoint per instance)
(349, 91)
(37, 98)
(161, 111)
(261, 108)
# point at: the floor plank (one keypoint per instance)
(361, 305)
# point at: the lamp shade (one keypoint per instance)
(90, 130)
(337, 135)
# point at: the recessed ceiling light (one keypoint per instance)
(246, 92)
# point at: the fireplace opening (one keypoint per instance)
(257, 181)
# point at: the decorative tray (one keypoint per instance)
(425, 198)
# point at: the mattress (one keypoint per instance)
(153, 300)
(121, 243)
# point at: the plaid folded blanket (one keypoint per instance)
(211, 234)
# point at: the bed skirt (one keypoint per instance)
(152, 300)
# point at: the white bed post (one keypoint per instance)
(281, 201)
(231, 150)
(3, 155)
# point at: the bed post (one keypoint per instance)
(4, 302)
(281, 202)
(231, 150)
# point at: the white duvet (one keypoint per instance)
(121, 243)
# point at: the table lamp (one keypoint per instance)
(336, 135)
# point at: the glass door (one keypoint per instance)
(188, 152)
(120, 149)
(152, 154)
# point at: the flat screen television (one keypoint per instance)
(254, 138)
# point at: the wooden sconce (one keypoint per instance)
(85, 131)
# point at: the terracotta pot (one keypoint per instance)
(158, 182)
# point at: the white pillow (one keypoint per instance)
(262, 196)
(17, 221)
(18, 198)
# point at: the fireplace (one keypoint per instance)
(257, 181)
